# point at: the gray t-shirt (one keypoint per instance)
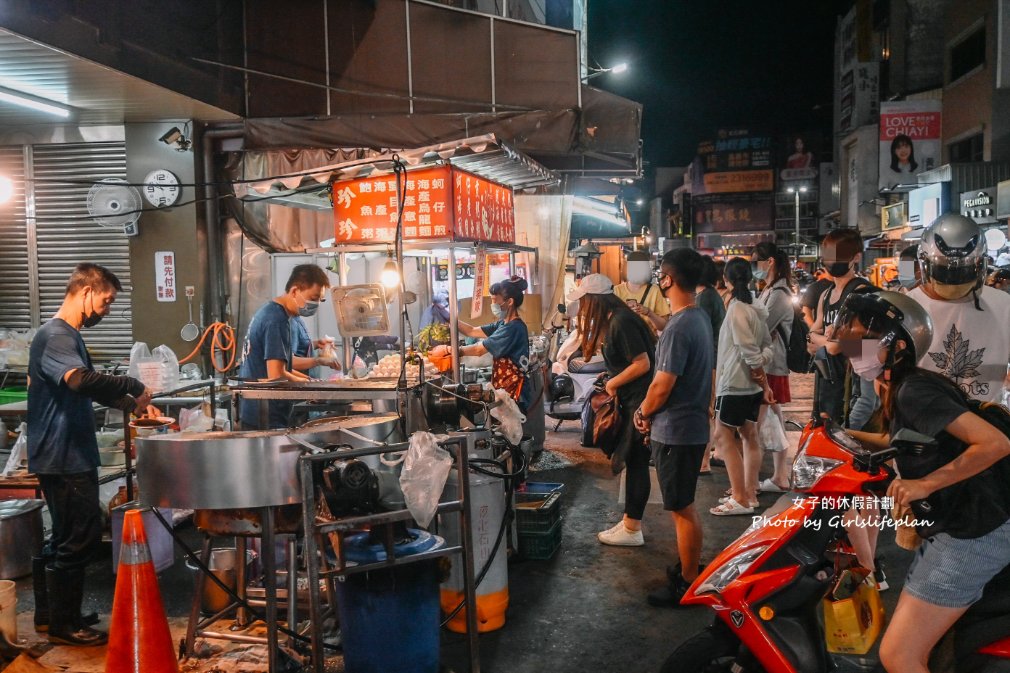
(685, 350)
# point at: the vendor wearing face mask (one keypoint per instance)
(302, 345)
(971, 322)
(507, 340)
(267, 353)
(641, 294)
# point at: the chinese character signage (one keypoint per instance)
(477, 307)
(438, 203)
(739, 181)
(164, 275)
(733, 214)
(909, 140)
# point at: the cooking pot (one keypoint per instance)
(20, 536)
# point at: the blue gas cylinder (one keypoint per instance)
(389, 618)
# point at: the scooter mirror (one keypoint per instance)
(912, 443)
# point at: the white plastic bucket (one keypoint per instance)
(8, 610)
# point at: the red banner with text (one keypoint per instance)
(438, 203)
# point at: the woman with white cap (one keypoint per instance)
(628, 345)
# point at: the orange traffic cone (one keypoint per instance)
(139, 639)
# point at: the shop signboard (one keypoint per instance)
(1003, 200)
(739, 181)
(894, 216)
(438, 203)
(736, 162)
(926, 203)
(909, 140)
(980, 205)
(733, 214)
(164, 275)
(480, 273)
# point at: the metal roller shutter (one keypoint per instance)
(66, 235)
(16, 270)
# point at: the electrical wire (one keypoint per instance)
(223, 343)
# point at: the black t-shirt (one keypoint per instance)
(812, 295)
(830, 309)
(969, 508)
(627, 338)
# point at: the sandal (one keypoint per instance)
(726, 498)
(731, 508)
(704, 473)
(769, 486)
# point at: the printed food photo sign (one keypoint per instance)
(438, 203)
(909, 141)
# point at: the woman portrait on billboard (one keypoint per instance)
(903, 155)
(800, 158)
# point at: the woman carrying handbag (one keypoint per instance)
(628, 344)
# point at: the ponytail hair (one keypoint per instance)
(783, 269)
(739, 275)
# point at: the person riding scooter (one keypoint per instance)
(956, 490)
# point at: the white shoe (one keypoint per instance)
(769, 486)
(619, 536)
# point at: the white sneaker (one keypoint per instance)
(619, 536)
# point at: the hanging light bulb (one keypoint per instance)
(390, 277)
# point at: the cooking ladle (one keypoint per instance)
(190, 331)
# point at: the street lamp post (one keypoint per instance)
(794, 190)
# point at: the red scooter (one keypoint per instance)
(767, 586)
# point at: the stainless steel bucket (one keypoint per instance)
(20, 536)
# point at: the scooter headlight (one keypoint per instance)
(808, 469)
(731, 570)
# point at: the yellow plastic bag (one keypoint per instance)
(853, 614)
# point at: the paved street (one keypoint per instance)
(584, 609)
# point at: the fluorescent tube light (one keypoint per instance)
(34, 103)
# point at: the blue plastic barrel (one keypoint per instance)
(389, 618)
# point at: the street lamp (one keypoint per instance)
(794, 190)
(596, 72)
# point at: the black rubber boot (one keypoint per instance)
(42, 597)
(66, 593)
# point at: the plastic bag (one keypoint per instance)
(853, 614)
(19, 454)
(773, 432)
(508, 415)
(422, 480)
(194, 420)
(159, 370)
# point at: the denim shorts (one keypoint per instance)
(940, 576)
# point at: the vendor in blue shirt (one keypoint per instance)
(267, 352)
(507, 340)
(63, 451)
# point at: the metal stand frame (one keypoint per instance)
(315, 530)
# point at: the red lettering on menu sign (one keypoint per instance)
(438, 203)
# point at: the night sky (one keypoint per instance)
(698, 66)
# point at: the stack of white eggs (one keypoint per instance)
(389, 366)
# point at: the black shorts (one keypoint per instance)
(735, 410)
(677, 467)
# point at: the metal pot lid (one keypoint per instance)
(12, 508)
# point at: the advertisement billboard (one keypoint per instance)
(731, 214)
(909, 141)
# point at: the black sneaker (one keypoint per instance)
(673, 572)
(670, 594)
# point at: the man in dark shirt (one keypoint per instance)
(267, 352)
(63, 452)
(675, 413)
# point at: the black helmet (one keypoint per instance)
(561, 388)
(891, 314)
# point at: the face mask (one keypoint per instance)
(639, 273)
(759, 273)
(572, 308)
(952, 292)
(496, 310)
(93, 318)
(309, 309)
(867, 366)
(838, 269)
